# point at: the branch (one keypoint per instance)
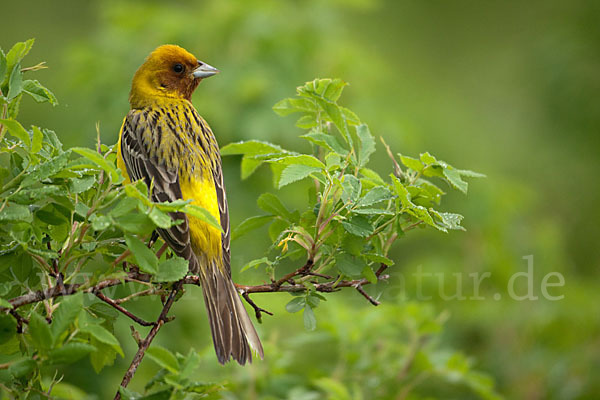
(112, 303)
(144, 344)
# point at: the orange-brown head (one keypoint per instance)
(169, 72)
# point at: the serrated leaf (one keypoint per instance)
(143, 256)
(351, 188)
(99, 160)
(69, 353)
(164, 358)
(202, 214)
(22, 367)
(290, 105)
(251, 148)
(411, 163)
(8, 327)
(256, 263)
(161, 219)
(102, 335)
(367, 144)
(16, 129)
(302, 159)
(326, 141)
(454, 178)
(310, 321)
(37, 140)
(307, 121)
(15, 83)
(248, 166)
(250, 224)
(46, 169)
(378, 258)
(374, 196)
(402, 193)
(369, 275)
(135, 223)
(104, 355)
(295, 172)
(350, 265)
(358, 225)
(39, 93)
(19, 50)
(272, 204)
(172, 269)
(15, 212)
(65, 315)
(80, 185)
(40, 331)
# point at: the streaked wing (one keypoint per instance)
(140, 165)
(224, 215)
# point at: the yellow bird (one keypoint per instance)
(166, 142)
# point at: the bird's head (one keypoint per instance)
(169, 72)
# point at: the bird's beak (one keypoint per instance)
(204, 70)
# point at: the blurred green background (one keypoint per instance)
(507, 88)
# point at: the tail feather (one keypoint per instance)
(232, 331)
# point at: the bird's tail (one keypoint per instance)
(232, 331)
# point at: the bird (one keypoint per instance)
(165, 142)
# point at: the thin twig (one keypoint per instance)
(144, 344)
(366, 295)
(257, 310)
(147, 292)
(123, 310)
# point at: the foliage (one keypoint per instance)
(72, 229)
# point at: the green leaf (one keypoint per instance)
(302, 159)
(172, 270)
(22, 367)
(350, 265)
(203, 215)
(143, 256)
(270, 203)
(47, 169)
(40, 331)
(290, 105)
(296, 172)
(161, 219)
(69, 353)
(103, 356)
(248, 166)
(39, 93)
(65, 315)
(402, 193)
(351, 188)
(427, 158)
(411, 163)
(99, 160)
(164, 358)
(367, 144)
(15, 212)
(295, 305)
(16, 129)
(15, 83)
(256, 263)
(38, 138)
(8, 327)
(250, 148)
(307, 121)
(102, 335)
(374, 196)
(470, 174)
(369, 275)
(249, 225)
(5, 303)
(19, 50)
(80, 185)
(326, 141)
(3, 67)
(100, 222)
(454, 178)
(135, 223)
(378, 258)
(310, 321)
(358, 225)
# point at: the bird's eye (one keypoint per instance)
(178, 68)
